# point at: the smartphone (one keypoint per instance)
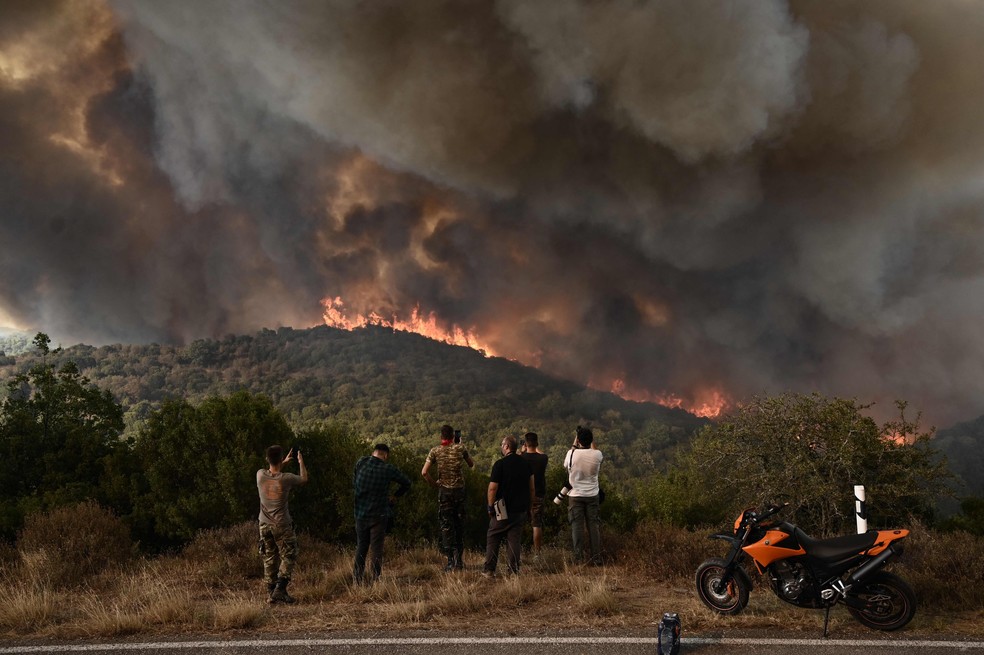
(457, 436)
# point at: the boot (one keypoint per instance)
(450, 565)
(271, 588)
(280, 594)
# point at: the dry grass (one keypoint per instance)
(27, 607)
(212, 588)
(53, 542)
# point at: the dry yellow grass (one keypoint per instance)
(184, 595)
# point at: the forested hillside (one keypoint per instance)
(963, 445)
(199, 418)
(395, 386)
(400, 387)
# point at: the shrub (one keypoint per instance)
(74, 543)
(224, 555)
(943, 567)
(667, 552)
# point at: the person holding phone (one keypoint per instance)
(450, 482)
(278, 543)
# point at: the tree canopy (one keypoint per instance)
(58, 432)
(809, 451)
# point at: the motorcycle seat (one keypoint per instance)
(836, 548)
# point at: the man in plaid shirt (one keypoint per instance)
(372, 479)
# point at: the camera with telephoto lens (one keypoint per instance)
(578, 433)
(562, 494)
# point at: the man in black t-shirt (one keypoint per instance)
(538, 464)
(511, 481)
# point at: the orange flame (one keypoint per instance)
(708, 403)
(419, 323)
(897, 438)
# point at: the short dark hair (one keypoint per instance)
(584, 437)
(447, 432)
(381, 447)
(275, 455)
(532, 439)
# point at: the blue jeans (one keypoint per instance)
(581, 510)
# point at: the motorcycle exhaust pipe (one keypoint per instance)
(841, 587)
(872, 566)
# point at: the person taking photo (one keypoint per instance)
(278, 543)
(583, 463)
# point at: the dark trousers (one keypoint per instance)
(369, 535)
(512, 531)
(583, 510)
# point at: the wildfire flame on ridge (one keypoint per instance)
(419, 323)
(707, 404)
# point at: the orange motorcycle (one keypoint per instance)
(808, 572)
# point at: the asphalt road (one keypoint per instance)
(507, 645)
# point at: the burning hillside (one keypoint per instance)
(686, 201)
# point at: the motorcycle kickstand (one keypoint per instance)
(826, 621)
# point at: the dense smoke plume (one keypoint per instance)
(680, 197)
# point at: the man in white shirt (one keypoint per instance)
(583, 462)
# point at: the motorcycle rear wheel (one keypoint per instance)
(730, 600)
(890, 603)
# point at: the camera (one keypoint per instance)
(457, 436)
(562, 494)
(582, 437)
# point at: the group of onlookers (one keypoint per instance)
(515, 497)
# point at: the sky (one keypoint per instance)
(691, 201)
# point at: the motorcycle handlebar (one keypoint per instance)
(769, 511)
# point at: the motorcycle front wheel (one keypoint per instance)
(889, 602)
(731, 598)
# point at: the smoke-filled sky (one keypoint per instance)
(687, 196)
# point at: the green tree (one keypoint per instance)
(809, 451)
(325, 506)
(198, 464)
(57, 433)
(970, 519)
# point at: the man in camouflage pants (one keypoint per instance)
(278, 544)
(451, 495)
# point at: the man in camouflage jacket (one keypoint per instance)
(451, 495)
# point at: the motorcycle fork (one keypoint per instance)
(733, 560)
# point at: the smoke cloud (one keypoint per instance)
(680, 197)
